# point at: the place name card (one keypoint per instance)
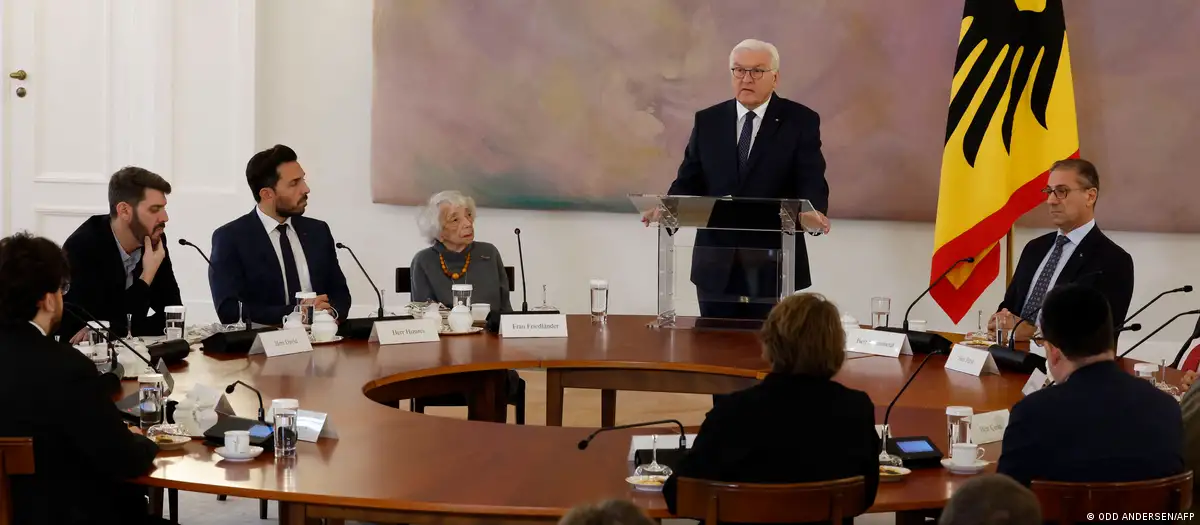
(281, 342)
(405, 331)
(536, 325)
(875, 342)
(310, 425)
(1037, 381)
(665, 441)
(972, 361)
(988, 427)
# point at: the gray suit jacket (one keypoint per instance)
(1190, 406)
(486, 275)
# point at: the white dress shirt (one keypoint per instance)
(301, 263)
(1074, 237)
(39, 327)
(759, 112)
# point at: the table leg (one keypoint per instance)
(608, 407)
(292, 513)
(488, 398)
(156, 501)
(554, 398)
(173, 505)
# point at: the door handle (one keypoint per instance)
(18, 74)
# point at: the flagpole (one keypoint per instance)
(1008, 257)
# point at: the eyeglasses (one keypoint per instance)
(1060, 191)
(755, 73)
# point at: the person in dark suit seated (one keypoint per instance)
(1098, 423)
(120, 261)
(778, 431)
(1077, 252)
(52, 393)
(455, 257)
(758, 144)
(262, 259)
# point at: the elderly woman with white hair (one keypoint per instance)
(455, 257)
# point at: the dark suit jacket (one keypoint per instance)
(98, 283)
(1097, 262)
(785, 162)
(1100, 425)
(82, 448)
(244, 267)
(786, 429)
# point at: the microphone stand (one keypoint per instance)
(521, 260)
(1157, 330)
(184, 242)
(583, 444)
(1184, 289)
(262, 413)
(926, 342)
(378, 294)
(884, 457)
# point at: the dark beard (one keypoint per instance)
(140, 232)
(290, 211)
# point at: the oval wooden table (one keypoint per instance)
(392, 465)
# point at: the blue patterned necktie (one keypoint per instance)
(744, 143)
(1043, 281)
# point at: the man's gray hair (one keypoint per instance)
(994, 499)
(429, 218)
(751, 44)
(611, 512)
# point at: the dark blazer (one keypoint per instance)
(82, 449)
(774, 432)
(1097, 262)
(1100, 425)
(98, 283)
(785, 162)
(244, 267)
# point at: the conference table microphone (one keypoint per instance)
(926, 342)
(1185, 289)
(493, 317)
(1157, 330)
(360, 328)
(1007, 357)
(1186, 344)
(667, 456)
(262, 434)
(521, 260)
(262, 413)
(1135, 327)
(185, 242)
(583, 443)
(912, 461)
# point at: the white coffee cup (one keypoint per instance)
(965, 454)
(479, 311)
(916, 325)
(237, 441)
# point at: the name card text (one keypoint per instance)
(988, 427)
(971, 361)
(875, 342)
(405, 331)
(536, 325)
(281, 342)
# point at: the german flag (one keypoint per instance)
(1011, 115)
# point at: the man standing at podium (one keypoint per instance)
(756, 145)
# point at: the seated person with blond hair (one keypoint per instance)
(797, 425)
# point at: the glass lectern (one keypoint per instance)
(742, 254)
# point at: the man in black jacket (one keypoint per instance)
(757, 145)
(1099, 423)
(83, 452)
(1078, 252)
(119, 262)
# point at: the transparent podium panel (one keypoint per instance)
(723, 262)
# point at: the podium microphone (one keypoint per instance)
(521, 260)
(583, 444)
(1184, 289)
(1159, 329)
(262, 414)
(925, 342)
(185, 242)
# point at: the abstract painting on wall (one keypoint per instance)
(538, 104)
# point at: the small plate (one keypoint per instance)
(230, 456)
(889, 473)
(336, 339)
(965, 469)
(647, 483)
(175, 443)
(473, 330)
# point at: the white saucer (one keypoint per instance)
(965, 469)
(900, 473)
(647, 483)
(230, 456)
(336, 339)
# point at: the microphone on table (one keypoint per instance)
(888, 414)
(262, 413)
(75, 310)
(521, 260)
(925, 342)
(1184, 289)
(1186, 344)
(1007, 357)
(361, 328)
(185, 242)
(1135, 327)
(911, 377)
(583, 444)
(1159, 329)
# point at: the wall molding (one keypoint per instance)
(67, 177)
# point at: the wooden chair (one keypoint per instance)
(16, 459)
(516, 390)
(716, 501)
(1072, 502)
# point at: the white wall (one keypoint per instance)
(299, 72)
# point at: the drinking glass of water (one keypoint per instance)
(286, 431)
(150, 400)
(958, 424)
(881, 308)
(599, 300)
(175, 316)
